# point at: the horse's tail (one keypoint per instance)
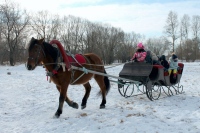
(106, 82)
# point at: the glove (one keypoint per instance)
(135, 60)
(131, 60)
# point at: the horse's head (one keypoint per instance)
(35, 53)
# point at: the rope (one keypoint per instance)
(78, 78)
(90, 64)
(114, 65)
(85, 70)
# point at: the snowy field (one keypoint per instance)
(28, 103)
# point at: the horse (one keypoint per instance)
(41, 52)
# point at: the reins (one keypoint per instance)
(62, 63)
(66, 64)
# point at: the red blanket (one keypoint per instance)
(79, 57)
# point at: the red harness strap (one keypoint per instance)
(55, 72)
(62, 52)
(51, 73)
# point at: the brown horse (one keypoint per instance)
(41, 52)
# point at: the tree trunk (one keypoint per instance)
(12, 61)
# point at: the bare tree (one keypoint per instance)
(196, 33)
(171, 27)
(125, 49)
(196, 26)
(185, 26)
(184, 32)
(115, 38)
(188, 49)
(46, 25)
(53, 28)
(158, 45)
(14, 23)
(72, 33)
(136, 38)
(92, 37)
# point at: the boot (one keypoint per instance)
(175, 75)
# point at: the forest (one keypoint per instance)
(181, 34)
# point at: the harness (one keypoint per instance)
(59, 63)
(38, 54)
(60, 59)
(72, 81)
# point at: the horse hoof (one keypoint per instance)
(102, 106)
(74, 105)
(82, 107)
(56, 115)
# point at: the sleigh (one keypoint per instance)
(152, 80)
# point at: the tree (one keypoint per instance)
(171, 27)
(158, 45)
(196, 26)
(196, 33)
(72, 33)
(46, 25)
(53, 28)
(95, 38)
(188, 49)
(184, 32)
(14, 22)
(185, 26)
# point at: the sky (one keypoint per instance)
(28, 103)
(146, 17)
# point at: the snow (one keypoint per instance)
(28, 103)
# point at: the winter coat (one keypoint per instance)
(139, 55)
(164, 62)
(154, 57)
(172, 64)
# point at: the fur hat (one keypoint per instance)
(140, 45)
(174, 56)
(163, 57)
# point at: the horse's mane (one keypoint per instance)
(50, 50)
(32, 44)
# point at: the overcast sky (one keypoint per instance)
(146, 17)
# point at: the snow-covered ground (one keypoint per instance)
(28, 103)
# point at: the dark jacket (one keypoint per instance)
(164, 62)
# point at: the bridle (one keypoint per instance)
(38, 55)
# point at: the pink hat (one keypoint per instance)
(140, 45)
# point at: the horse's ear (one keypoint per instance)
(32, 38)
(41, 41)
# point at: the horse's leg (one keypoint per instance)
(68, 101)
(63, 90)
(71, 103)
(100, 80)
(58, 88)
(87, 93)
